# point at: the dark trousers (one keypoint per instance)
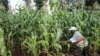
(77, 51)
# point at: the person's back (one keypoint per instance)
(79, 39)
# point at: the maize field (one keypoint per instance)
(28, 32)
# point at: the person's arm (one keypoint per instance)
(68, 41)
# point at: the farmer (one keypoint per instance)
(78, 41)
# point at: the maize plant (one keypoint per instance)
(2, 44)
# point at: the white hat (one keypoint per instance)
(73, 28)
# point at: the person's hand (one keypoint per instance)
(59, 42)
(68, 41)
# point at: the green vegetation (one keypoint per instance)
(30, 31)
